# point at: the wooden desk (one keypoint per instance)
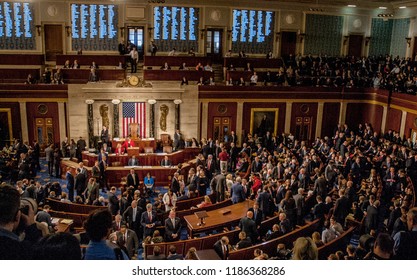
(190, 61)
(176, 75)
(87, 59)
(152, 159)
(63, 227)
(141, 143)
(208, 254)
(216, 219)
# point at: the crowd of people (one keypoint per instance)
(357, 174)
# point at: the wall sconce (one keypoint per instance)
(150, 29)
(408, 39)
(301, 36)
(89, 101)
(68, 30)
(202, 33)
(116, 101)
(177, 101)
(122, 31)
(277, 36)
(151, 101)
(367, 40)
(345, 40)
(39, 29)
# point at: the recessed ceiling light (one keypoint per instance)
(383, 8)
(402, 7)
(351, 6)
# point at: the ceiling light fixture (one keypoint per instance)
(351, 6)
(402, 7)
(383, 8)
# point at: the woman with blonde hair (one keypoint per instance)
(305, 249)
(191, 254)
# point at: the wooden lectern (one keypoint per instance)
(201, 215)
(134, 128)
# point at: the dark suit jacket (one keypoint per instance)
(113, 203)
(70, 181)
(175, 186)
(128, 217)
(218, 247)
(265, 203)
(237, 193)
(131, 242)
(341, 209)
(249, 227)
(129, 179)
(145, 221)
(258, 217)
(170, 229)
(371, 220)
(166, 162)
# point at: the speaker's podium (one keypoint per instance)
(133, 151)
(201, 215)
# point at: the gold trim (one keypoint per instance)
(53, 100)
(252, 113)
(9, 120)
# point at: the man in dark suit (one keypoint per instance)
(257, 214)
(237, 192)
(133, 161)
(284, 224)
(265, 202)
(81, 145)
(117, 223)
(104, 136)
(172, 227)
(113, 201)
(178, 141)
(132, 216)
(319, 210)
(166, 162)
(211, 166)
(70, 184)
(222, 247)
(234, 153)
(149, 221)
(299, 204)
(248, 225)
(130, 239)
(341, 208)
(175, 184)
(371, 219)
(218, 184)
(80, 180)
(173, 254)
(132, 179)
(103, 175)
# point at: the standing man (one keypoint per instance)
(223, 158)
(80, 180)
(49, 152)
(81, 145)
(70, 184)
(178, 140)
(148, 221)
(104, 136)
(133, 179)
(130, 239)
(132, 216)
(134, 57)
(113, 201)
(172, 227)
(154, 48)
(237, 192)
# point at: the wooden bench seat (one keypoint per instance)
(18, 75)
(190, 61)
(206, 242)
(87, 59)
(270, 247)
(22, 59)
(337, 244)
(187, 204)
(80, 76)
(78, 219)
(72, 207)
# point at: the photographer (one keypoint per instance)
(16, 217)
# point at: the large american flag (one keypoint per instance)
(134, 112)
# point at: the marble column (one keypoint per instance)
(116, 131)
(24, 122)
(204, 120)
(384, 119)
(152, 120)
(319, 121)
(403, 120)
(90, 122)
(239, 121)
(61, 116)
(288, 112)
(177, 103)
